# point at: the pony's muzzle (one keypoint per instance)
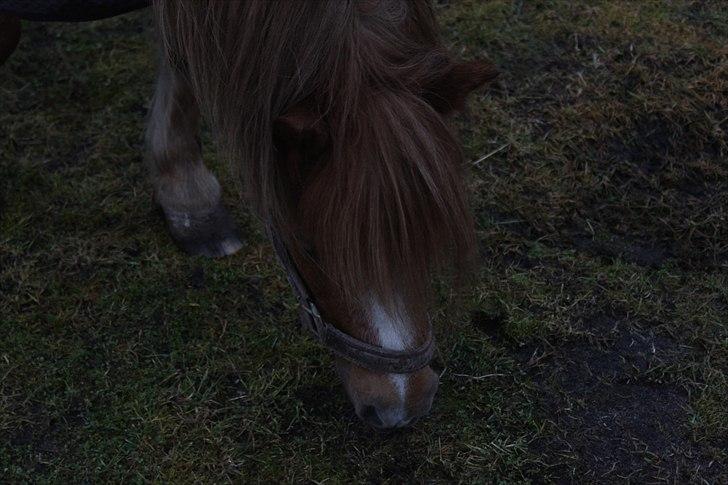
(387, 401)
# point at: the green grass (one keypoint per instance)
(592, 347)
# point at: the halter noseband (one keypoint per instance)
(371, 357)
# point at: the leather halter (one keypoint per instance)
(371, 357)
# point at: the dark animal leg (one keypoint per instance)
(187, 191)
(9, 35)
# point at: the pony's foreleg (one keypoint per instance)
(187, 191)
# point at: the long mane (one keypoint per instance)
(388, 207)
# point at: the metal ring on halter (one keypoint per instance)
(356, 351)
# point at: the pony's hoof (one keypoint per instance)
(209, 233)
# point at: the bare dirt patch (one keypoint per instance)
(617, 415)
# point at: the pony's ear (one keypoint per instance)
(448, 92)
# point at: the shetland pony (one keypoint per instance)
(334, 115)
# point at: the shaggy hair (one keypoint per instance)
(333, 113)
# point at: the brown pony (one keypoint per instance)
(334, 115)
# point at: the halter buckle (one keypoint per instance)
(311, 319)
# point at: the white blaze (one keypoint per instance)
(393, 333)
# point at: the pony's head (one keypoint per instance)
(375, 204)
(335, 112)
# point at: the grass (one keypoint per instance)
(593, 346)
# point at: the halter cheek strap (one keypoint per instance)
(354, 350)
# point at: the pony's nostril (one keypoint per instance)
(370, 415)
